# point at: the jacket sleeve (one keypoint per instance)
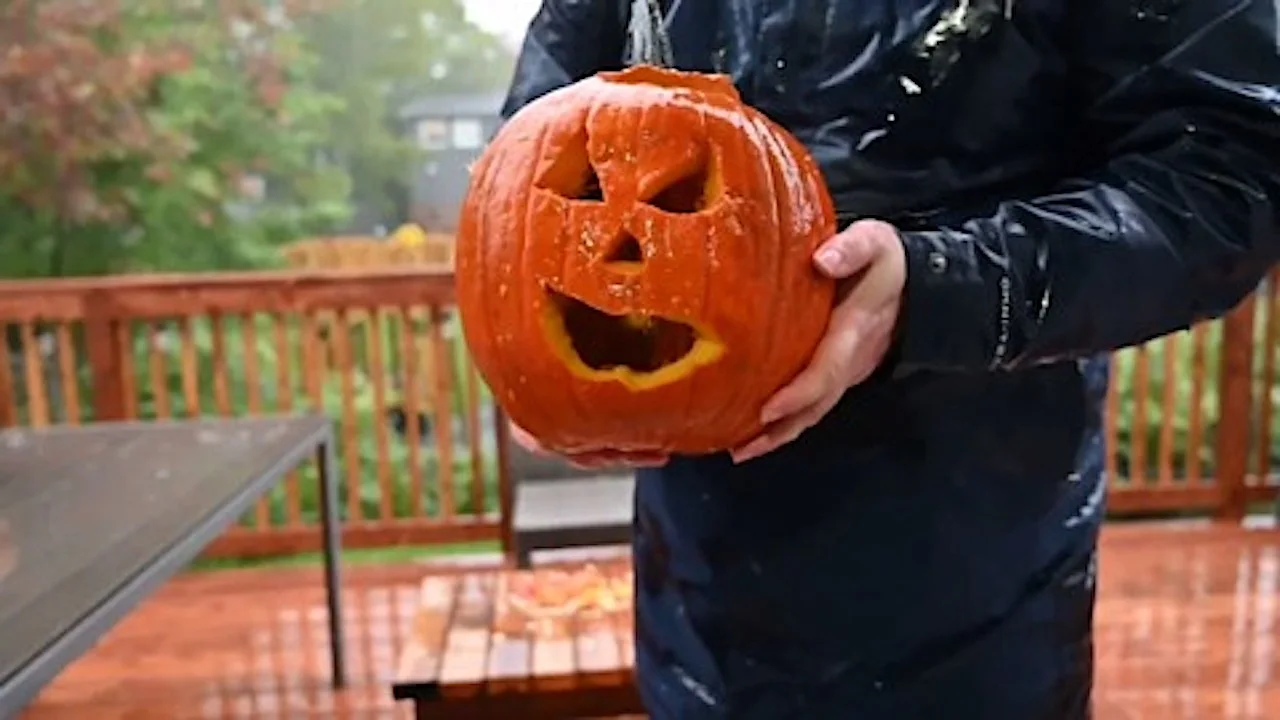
(568, 40)
(1178, 220)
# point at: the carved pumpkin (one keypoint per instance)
(634, 263)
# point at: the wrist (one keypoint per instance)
(946, 320)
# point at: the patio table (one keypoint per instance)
(543, 644)
(94, 518)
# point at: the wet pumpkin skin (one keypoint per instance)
(634, 264)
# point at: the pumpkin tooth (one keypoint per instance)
(639, 321)
(638, 349)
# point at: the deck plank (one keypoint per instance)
(466, 652)
(596, 649)
(624, 620)
(511, 659)
(1186, 628)
(554, 658)
(422, 659)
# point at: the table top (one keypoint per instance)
(85, 509)
(521, 634)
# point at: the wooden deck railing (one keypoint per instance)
(1193, 420)
(376, 350)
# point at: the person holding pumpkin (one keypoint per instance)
(1022, 188)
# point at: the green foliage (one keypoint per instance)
(360, 423)
(173, 107)
(376, 56)
(133, 131)
(1148, 402)
(1147, 410)
(366, 414)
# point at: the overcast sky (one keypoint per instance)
(507, 18)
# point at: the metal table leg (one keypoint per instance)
(331, 526)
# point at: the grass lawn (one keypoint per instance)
(373, 556)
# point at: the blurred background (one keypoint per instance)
(206, 135)
(247, 207)
(166, 152)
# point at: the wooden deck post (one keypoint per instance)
(506, 486)
(105, 355)
(1235, 395)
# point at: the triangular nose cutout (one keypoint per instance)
(625, 250)
(625, 255)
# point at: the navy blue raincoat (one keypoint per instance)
(1070, 177)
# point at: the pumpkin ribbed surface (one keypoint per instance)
(634, 263)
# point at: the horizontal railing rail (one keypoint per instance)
(1192, 419)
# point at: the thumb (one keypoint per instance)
(848, 252)
(524, 439)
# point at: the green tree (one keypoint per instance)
(129, 130)
(376, 55)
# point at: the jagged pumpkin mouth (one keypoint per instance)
(640, 350)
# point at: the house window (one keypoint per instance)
(433, 134)
(468, 134)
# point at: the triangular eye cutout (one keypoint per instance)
(693, 190)
(686, 195)
(591, 189)
(570, 173)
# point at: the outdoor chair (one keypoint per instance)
(559, 506)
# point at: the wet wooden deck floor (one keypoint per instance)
(1188, 627)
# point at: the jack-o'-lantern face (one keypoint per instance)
(634, 264)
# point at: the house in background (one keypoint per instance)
(452, 130)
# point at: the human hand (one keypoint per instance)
(869, 260)
(590, 460)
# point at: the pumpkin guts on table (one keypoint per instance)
(1018, 189)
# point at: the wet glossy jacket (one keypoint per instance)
(1071, 176)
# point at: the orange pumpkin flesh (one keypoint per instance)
(633, 263)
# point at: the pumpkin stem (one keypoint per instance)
(649, 42)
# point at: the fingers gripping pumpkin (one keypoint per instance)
(633, 263)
